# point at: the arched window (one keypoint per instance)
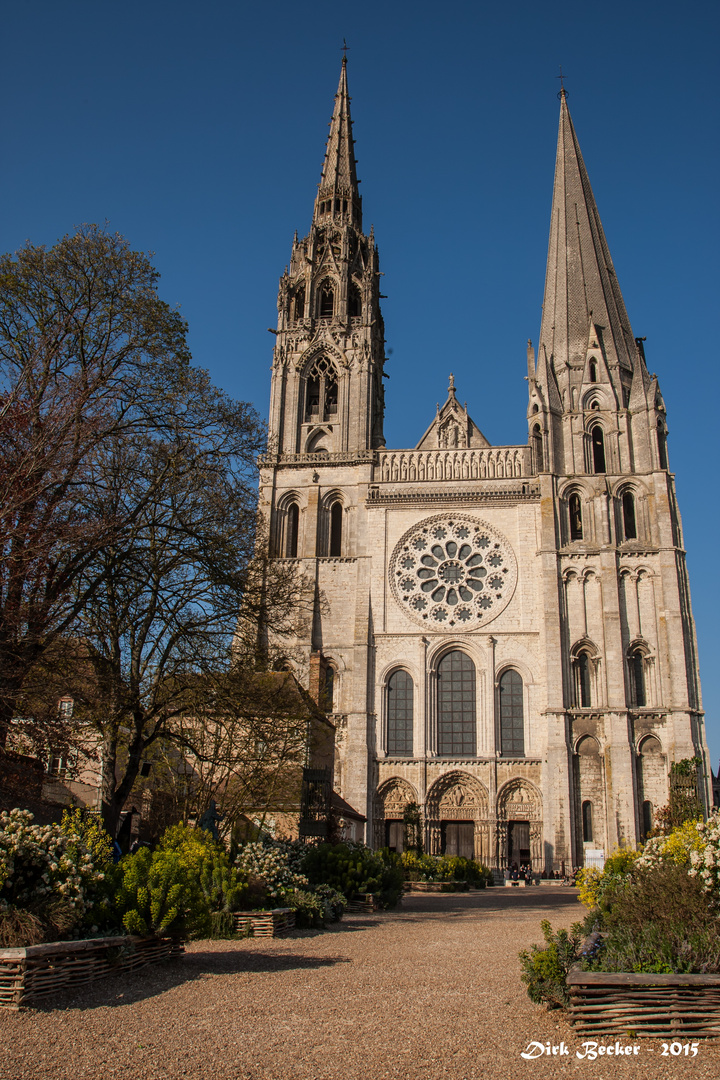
(327, 696)
(400, 714)
(300, 303)
(575, 508)
(587, 821)
(628, 510)
(598, 449)
(456, 705)
(537, 445)
(582, 681)
(321, 390)
(336, 522)
(637, 676)
(593, 371)
(512, 733)
(354, 302)
(647, 818)
(326, 304)
(662, 445)
(291, 531)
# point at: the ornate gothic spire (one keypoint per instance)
(338, 198)
(580, 284)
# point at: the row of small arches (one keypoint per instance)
(335, 532)
(583, 665)
(456, 711)
(628, 516)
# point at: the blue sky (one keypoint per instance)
(197, 130)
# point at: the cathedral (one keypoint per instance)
(502, 634)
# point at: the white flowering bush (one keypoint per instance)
(40, 864)
(705, 859)
(275, 863)
(676, 847)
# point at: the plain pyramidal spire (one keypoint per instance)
(338, 198)
(580, 284)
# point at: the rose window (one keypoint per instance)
(453, 571)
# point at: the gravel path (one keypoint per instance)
(428, 992)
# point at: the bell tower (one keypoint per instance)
(327, 392)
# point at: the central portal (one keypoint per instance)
(458, 838)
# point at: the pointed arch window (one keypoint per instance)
(647, 818)
(662, 445)
(354, 302)
(336, 523)
(327, 697)
(587, 821)
(512, 733)
(291, 532)
(537, 446)
(593, 371)
(456, 705)
(400, 714)
(597, 439)
(583, 697)
(321, 391)
(300, 303)
(326, 301)
(575, 509)
(628, 511)
(637, 676)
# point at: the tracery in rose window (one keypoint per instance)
(453, 571)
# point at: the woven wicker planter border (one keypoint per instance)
(362, 902)
(650, 1005)
(41, 970)
(273, 923)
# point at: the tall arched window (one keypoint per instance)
(582, 681)
(593, 371)
(662, 445)
(597, 439)
(537, 446)
(647, 818)
(354, 302)
(400, 714)
(587, 821)
(456, 705)
(575, 508)
(512, 728)
(637, 676)
(291, 531)
(321, 390)
(327, 699)
(326, 304)
(300, 303)
(336, 522)
(628, 510)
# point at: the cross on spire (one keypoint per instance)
(345, 48)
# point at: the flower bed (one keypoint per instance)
(273, 923)
(436, 886)
(614, 1003)
(41, 970)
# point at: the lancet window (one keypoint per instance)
(575, 509)
(637, 678)
(510, 694)
(583, 696)
(326, 301)
(628, 513)
(587, 821)
(291, 531)
(597, 439)
(321, 391)
(336, 523)
(537, 445)
(456, 705)
(400, 714)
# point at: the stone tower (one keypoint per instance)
(502, 634)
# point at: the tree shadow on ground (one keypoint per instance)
(132, 987)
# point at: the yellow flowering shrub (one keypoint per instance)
(592, 881)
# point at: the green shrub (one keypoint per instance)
(334, 903)
(544, 971)
(309, 908)
(659, 948)
(353, 868)
(418, 867)
(158, 894)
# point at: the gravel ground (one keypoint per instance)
(431, 991)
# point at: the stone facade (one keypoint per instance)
(508, 628)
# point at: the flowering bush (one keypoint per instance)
(275, 863)
(39, 863)
(592, 882)
(678, 846)
(705, 855)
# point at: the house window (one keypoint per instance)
(582, 681)
(628, 510)
(456, 705)
(587, 822)
(336, 522)
(575, 508)
(510, 692)
(400, 714)
(291, 540)
(598, 449)
(65, 708)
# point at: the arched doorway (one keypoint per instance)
(456, 811)
(519, 830)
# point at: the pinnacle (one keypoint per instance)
(338, 197)
(581, 287)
